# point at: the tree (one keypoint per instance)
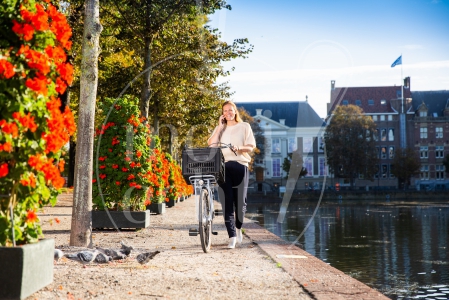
(350, 147)
(259, 152)
(446, 163)
(299, 165)
(406, 164)
(81, 234)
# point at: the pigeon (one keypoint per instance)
(143, 258)
(58, 254)
(126, 249)
(84, 257)
(114, 254)
(102, 258)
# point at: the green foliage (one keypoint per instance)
(122, 154)
(406, 164)
(33, 126)
(350, 147)
(287, 165)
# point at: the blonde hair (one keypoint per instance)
(237, 115)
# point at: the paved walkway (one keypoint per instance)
(262, 267)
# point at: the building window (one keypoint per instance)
(323, 167)
(275, 145)
(384, 171)
(292, 145)
(376, 135)
(439, 132)
(382, 117)
(358, 102)
(375, 118)
(383, 152)
(398, 94)
(390, 152)
(376, 173)
(383, 102)
(391, 134)
(377, 151)
(370, 102)
(344, 102)
(391, 171)
(321, 144)
(423, 132)
(308, 164)
(383, 135)
(276, 167)
(423, 152)
(439, 172)
(307, 144)
(423, 113)
(390, 117)
(425, 172)
(439, 151)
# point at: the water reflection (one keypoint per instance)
(400, 250)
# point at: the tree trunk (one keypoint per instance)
(146, 88)
(81, 229)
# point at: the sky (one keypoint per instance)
(301, 45)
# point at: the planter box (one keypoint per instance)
(171, 202)
(120, 219)
(26, 269)
(157, 208)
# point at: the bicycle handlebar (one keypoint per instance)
(224, 145)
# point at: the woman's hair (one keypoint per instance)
(237, 115)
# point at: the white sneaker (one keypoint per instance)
(239, 235)
(232, 241)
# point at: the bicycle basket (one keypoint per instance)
(203, 161)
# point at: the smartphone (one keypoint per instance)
(223, 121)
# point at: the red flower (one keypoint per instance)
(102, 167)
(115, 166)
(117, 182)
(131, 176)
(31, 216)
(138, 153)
(9, 128)
(6, 69)
(110, 150)
(57, 220)
(94, 180)
(127, 158)
(4, 170)
(102, 158)
(124, 169)
(38, 84)
(6, 147)
(102, 176)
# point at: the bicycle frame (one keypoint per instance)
(200, 182)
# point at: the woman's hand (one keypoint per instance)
(221, 122)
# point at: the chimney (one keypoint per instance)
(407, 82)
(282, 121)
(332, 85)
(258, 112)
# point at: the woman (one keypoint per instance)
(232, 130)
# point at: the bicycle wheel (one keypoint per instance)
(205, 220)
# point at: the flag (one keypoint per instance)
(397, 62)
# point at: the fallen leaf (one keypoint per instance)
(173, 247)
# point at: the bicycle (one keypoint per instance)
(207, 165)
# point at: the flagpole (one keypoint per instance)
(402, 88)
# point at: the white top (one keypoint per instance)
(238, 135)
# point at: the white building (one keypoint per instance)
(288, 126)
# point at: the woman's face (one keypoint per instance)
(229, 112)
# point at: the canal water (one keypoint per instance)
(400, 250)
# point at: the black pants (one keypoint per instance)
(232, 195)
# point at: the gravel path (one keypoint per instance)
(181, 271)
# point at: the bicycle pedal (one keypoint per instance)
(193, 232)
(218, 212)
(214, 232)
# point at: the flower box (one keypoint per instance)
(157, 208)
(171, 202)
(26, 269)
(120, 219)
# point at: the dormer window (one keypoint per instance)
(358, 102)
(423, 113)
(345, 102)
(383, 102)
(370, 102)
